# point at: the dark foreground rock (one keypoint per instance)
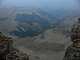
(72, 53)
(8, 51)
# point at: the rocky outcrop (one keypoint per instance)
(8, 51)
(73, 51)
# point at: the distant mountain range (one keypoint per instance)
(32, 22)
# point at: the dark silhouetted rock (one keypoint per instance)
(7, 50)
(73, 51)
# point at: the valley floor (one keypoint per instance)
(52, 47)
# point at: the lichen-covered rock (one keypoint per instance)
(72, 53)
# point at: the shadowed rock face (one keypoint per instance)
(8, 52)
(72, 53)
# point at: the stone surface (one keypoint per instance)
(8, 51)
(72, 53)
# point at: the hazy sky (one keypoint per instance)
(47, 5)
